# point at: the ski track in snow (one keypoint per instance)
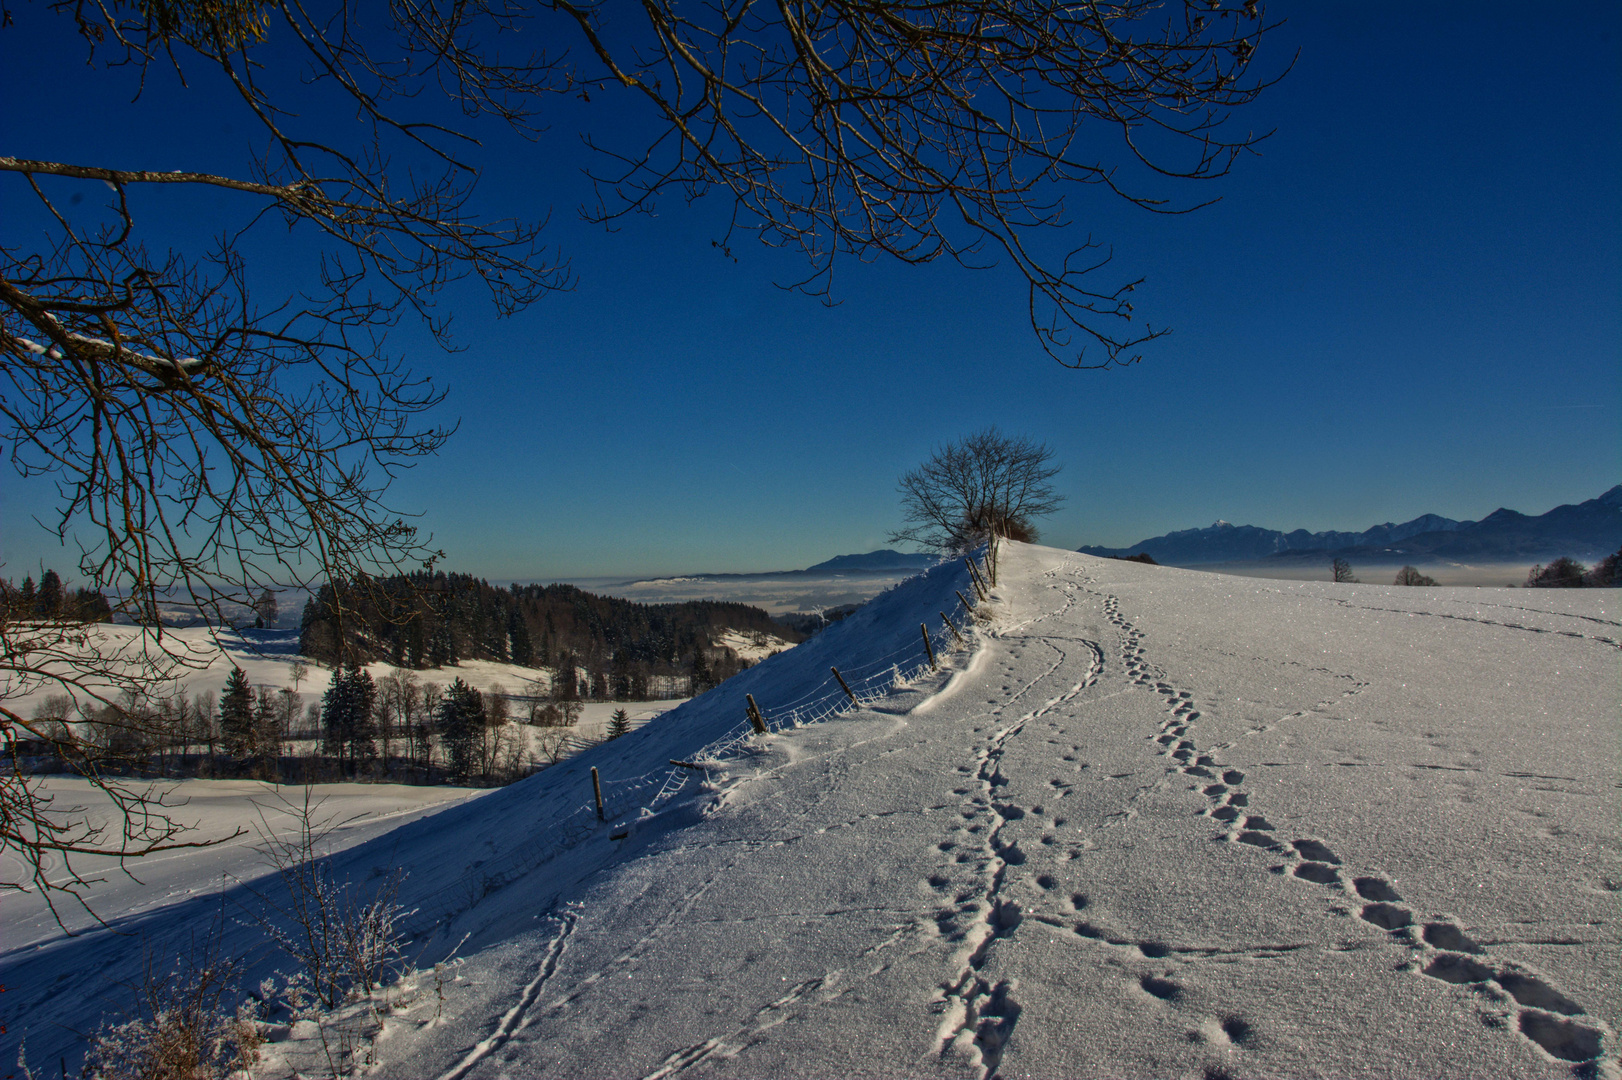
(1600, 639)
(513, 1020)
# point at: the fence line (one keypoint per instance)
(642, 796)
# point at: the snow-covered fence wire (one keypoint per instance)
(624, 800)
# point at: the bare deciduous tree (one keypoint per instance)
(209, 442)
(1410, 575)
(1341, 570)
(977, 488)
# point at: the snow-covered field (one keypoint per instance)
(752, 646)
(245, 811)
(267, 658)
(1149, 823)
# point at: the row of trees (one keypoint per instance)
(1562, 573)
(245, 730)
(50, 599)
(395, 726)
(1565, 573)
(600, 647)
(382, 724)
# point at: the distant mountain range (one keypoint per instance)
(840, 581)
(881, 561)
(1587, 531)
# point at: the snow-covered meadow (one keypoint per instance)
(1147, 822)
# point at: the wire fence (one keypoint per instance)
(634, 798)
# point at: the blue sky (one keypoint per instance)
(1408, 303)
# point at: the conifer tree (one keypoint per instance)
(566, 680)
(461, 716)
(701, 677)
(236, 714)
(523, 652)
(49, 601)
(363, 725)
(618, 724)
(267, 731)
(91, 605)
(346, 712)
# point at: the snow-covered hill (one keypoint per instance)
(1147, 823)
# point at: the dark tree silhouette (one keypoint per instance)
(236, 714)
(1563, 573)
(1341, 570)
(48, 603)
(1607, 573)
(461, 720)
(1410, 575)
(971, 489)
(264, 608)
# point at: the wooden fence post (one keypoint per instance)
(844, 686)
(754, 716)
(974, 575)
(966, 605)
(597, 790)
(928, 648)
(952, 628)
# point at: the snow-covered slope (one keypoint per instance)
(1153, 823)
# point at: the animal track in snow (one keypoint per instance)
(1536, 993)
(1164, 989)
(1447, 936)
(1452, 956)
(979, 1016)
(1320, 873)
(1387, 916)
(1373, 888)
(1316, 851)
(1563, 1039)
(1455, 968)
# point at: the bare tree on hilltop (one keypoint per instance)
(209, 441)
(978, 488)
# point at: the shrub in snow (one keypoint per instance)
(184, 1031)
(345, 942)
